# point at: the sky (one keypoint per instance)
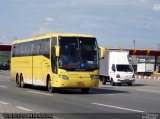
(115, 23)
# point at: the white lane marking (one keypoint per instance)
(3, 87)
(23, 108)
(133, 110)
(110, 94)
(5, 103)
(131, 88)
(40, 93)
(148, 91)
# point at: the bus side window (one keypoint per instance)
(31, 52)
(45, 47)
(36, 49)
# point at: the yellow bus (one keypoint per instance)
(56, 60)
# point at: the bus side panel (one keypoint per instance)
(38, 76)
(13, 70)
(41, 68)
(26, 69)
(46, 69)
(22, 66)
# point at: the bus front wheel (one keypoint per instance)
(85, 90)
(50, 88)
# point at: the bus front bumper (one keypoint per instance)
(76, 83)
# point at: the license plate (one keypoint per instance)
(80, 83)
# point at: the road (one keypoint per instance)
(143, 96)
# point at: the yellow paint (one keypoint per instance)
(36, 68)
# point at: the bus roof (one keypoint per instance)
(53, 35)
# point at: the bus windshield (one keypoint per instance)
(78, 54)
(124, 68)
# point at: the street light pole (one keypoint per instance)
(134, 44)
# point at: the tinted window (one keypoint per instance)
(124, 68)
(78, 54)
(39, 47)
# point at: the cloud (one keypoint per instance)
(4, 37)
(49, 19)
(156, 7)
(73, 3)
(42, 30)
(112, 19)
(45, 27)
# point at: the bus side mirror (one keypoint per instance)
(57, 51)
(101, 52)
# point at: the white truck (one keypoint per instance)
(145, 69)
(115, 68)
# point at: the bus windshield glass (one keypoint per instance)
(78, 54)
(124, 68)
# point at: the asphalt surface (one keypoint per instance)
(142, 97)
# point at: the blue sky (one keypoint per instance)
(115, 23)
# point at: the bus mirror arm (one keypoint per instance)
(101, 52)
(57, 51)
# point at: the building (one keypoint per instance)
(5, 53)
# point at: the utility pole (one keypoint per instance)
(134, 44)
(15, 38)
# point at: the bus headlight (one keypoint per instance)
(118, 76)
(95, 77)
(64, 77)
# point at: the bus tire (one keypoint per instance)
(18, 81)
(49, 87)
(84, 90)
(22, 81)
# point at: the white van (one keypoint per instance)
(115, 68)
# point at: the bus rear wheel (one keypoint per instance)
(49, 86)
(22, 81)
(84, 90)
(18, 81)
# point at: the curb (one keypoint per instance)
(147, 77)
